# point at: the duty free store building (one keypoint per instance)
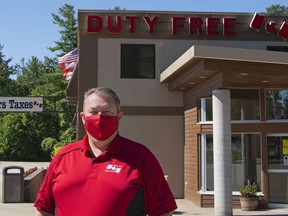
(199, 89)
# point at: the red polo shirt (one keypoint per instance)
(126, 179)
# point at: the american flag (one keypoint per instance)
(68, 63)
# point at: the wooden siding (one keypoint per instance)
(207, 201)
(191, 157)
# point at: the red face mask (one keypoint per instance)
(101, 127)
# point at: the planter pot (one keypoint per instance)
(249, 203)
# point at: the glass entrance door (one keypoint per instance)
(277, 150)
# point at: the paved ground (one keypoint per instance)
(184, 207)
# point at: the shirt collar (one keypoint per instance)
(85, 145)
(113, 148)
(114, 145)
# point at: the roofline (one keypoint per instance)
(224, 53)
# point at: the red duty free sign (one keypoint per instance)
(194, 25)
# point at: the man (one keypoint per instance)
(104, 174)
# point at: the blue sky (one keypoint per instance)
(27, 28)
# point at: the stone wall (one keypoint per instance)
(32, 183)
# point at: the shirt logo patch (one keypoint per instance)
(113, 168)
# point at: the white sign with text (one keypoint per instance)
(21, 104)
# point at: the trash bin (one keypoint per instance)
(13, 184)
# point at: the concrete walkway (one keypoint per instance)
(184, 207)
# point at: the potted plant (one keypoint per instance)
(248, 195)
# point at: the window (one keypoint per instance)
(277, 152)
(206, 163)
(206, 114)
(276, 104)
(244, 106)
(277, 148)
(246, 160)
(138, 61)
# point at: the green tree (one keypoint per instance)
(68, 42)
(21, 134)
(30, 76)
(118, 8)
(68, 24)
(277, 9)
(6, 72)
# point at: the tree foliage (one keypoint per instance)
(6, 71)
(21, 134)
(35, 136)
(68, 24)
(117, 8)
(277, 9)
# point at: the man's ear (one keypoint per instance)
(119, 115)
(82, 115)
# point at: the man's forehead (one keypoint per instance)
(94, 99)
